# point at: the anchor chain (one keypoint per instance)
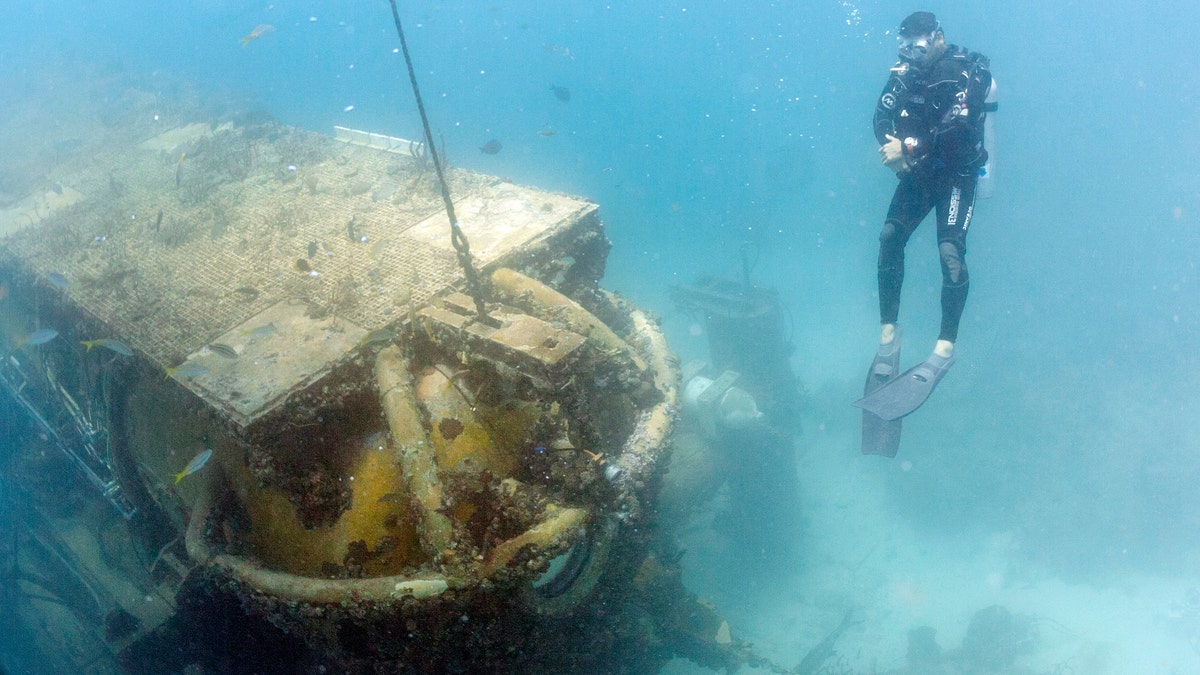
(458, 239)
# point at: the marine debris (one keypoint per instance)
(390, 479)
(995, 642)
(820, 653)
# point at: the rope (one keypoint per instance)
(459, 240)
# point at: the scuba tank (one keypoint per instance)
(987, 172)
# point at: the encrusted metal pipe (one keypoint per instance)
(535, 296)
(415, 452)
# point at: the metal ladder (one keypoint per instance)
(78, 439)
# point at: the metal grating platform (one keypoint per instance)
(185, 236)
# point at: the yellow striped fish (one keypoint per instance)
(259, 30)
(195, 465)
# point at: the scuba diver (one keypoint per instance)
(929, 122)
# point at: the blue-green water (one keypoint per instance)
(1061, 452)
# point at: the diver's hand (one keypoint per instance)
(892, 154)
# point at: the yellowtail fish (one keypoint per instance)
(186, 370)
(259, 31)
(261, 331)
(195, 465)
(179, 169)
(37, 337)
(379, 335)
(107, 344)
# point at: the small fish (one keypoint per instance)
(350, 229)
(259, 31)
(561, 93)
(158, 220)
(58, 281)
(186, 370)
(179, 169)
(547, 132)
(562, 51)
(491, 147)
(312, 249)
(37, 337)
(303, 266)
(392, 498)
(261, 331)
(223, 349)
(195, 465)
(247, 292)
(107, 344)
(379, 335)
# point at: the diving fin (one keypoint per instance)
(906, 393)
(880, 436)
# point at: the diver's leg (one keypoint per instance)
(954, 219)
(908, 391)
(910, 204)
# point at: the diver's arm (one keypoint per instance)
(884, 122)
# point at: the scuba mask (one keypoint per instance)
(913, 48)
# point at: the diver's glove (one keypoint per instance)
(893, 156)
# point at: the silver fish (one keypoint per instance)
(38, 337)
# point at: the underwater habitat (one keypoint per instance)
(827, 338)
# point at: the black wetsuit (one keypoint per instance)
(941, 107)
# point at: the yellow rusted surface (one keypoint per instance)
(378, 510)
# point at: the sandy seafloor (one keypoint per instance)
(861, 551)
